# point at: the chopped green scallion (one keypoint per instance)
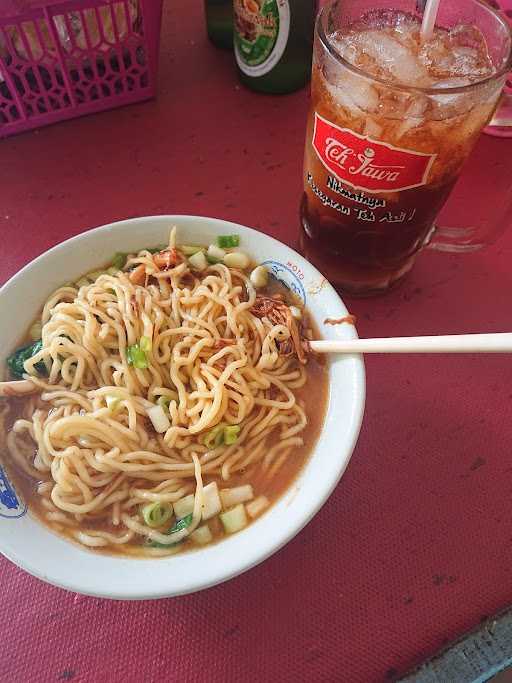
(221, 434)
(215, 254)
(119, 260)
(234, 520)
(164, 402)
(228, 241)
(136, 357)
(181, 524)
(145, 344)
(198, 261)
(202, 535)
(178, 526)
(190, 249)
(215, 437)
(231, 433)
(212, 260)
(155, 514)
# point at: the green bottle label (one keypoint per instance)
(261, 33)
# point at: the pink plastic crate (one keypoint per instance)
(72, 57)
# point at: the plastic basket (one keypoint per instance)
(71, 58)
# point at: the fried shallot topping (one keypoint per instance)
(166, 259)
(279, 313)
(138, 275)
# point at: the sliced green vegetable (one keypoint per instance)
(155, 514)
(221, 434)
(119, 260)
(202, 535)
(236, 259)
(94, 275)
(234, 520)
(178, 526)
(212, 260)
(112, 270)
(181, 524)
(210, 505)
(228, 241)
(159, 418)
(136, 357)
(190, 249)
(231, 433)
(145, 344)
(198, 261)
(215, 254)
(16, 361)
(215, 437)
(184, 506)
(164, 402)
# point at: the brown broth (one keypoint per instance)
(314, 397)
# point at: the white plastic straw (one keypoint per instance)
(429, 19)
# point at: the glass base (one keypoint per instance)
(351, 279)
(346, 290)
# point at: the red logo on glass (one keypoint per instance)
(368, 164)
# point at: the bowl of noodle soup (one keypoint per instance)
(164, 406)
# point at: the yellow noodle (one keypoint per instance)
(88, 435)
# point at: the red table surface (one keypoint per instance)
(415, 544)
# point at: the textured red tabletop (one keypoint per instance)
(415, 544)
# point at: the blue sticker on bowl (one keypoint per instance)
(289, 275)
(11, 505)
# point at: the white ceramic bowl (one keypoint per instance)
(37, 550)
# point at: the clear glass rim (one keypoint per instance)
(320, 32)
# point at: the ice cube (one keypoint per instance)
(372, 128)
(391, 57)
(343, 100)
(414, 108)
(460, 52)
(345, 47)
(467, 61)
(404, 127)
(417, 106)
(353, 92)
(461, 101)
(407, 33)
(363, 94)
(357, 100)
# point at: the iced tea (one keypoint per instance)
(392, 121)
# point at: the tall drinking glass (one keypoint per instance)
(391, 123)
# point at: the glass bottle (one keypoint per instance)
(273, 43)
(219, 22)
